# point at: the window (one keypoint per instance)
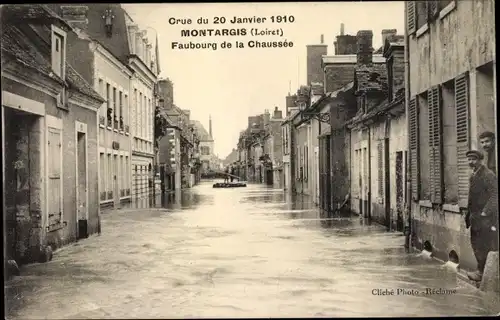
(102, 177)
(115, 109)
(144, 118)
(120, 102)
(450, 174)
(128, 175)
(414, 120)
(139, 116)
(205, 151)
(125, 114)
(306, 156)
(58, 51)
(134, 112)
(55, 185)
(462, 93)
(435, 144)
(380, 172)
(421, 13)
(109, 111)
(110, 178)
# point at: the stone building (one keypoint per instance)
(451, 100)
(378, 132)
(206, 146)
(143, 60)
(50, 136)
(272, 149)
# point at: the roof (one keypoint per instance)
(16, 45)
(380, 109)
(201, 131)
(34, 12)
(349, 58)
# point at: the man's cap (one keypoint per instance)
(475, 154)
(487, 134)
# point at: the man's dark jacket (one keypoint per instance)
(483, 197)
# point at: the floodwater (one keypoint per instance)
(242, 252)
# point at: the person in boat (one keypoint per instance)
(232, 171)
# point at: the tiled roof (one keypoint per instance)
(371, 77)
(35, 12)
(16, 45)
(380, 109)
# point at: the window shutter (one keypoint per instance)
(414, 148)
(411, 17)
(463, 140)
(380, 170)
(54, 176)
(435, 143)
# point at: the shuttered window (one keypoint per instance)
(434, 8)
(411, 17)
(54, 176)
(380, 152)
(463, 140)
(435, 145)
(422, 13)
(414, 147)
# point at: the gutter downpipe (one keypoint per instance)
(408, 223)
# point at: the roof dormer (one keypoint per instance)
(58, 51)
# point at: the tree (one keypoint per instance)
(161, 125)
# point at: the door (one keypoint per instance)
(387, 184)
(82, 187)
(400, 197)
(316, 175)
(116, 184)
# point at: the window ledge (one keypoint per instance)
(127, 134)
(423, 29)
(102, 126)
(451, 208)
(122, 132)
(109, 128)
(425, 203)
(446, 10)
(115, 130)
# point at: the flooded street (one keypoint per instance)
(242, 252)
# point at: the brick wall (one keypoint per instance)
(398, 70)
(338, 75)
(345, 44)
(314, 57)
(166, 91)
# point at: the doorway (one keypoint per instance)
(387, 184)
(82, 183)
(22, 174)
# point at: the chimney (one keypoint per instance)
(75, 15)
(365, 48)
(388, 34)
(315, 55)
(322, 39)
(266, 118)
(290, 103)
(277, 114)
(210, 125)
(341, 29)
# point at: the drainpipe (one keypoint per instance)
(407, 227)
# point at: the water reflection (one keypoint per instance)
(237, 252)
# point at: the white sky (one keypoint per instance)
(232, 84)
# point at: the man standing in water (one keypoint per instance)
(487, 141)
(482, 215)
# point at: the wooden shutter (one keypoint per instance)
(380, 149)
(414, 147)
(435, 145)
(54, 176)
(411, 17)
(463, 140)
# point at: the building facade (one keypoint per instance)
(451, 100)
(49, 137)
(143, 90)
